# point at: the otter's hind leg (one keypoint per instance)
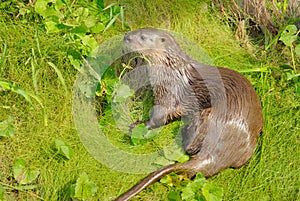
(194, 133)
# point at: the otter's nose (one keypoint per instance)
(127, 38)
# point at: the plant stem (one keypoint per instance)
(293, 58)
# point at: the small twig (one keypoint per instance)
(16, 188)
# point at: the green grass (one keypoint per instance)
(272, 174)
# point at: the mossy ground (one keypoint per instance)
(272, 174)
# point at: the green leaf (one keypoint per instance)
(24, 174)
(162, 161)
(7, 127)
(10, 86)
(191, 190)
(289, 30)
(168, 180)
(90, 43)
(112, 21)
(137, 136)
(183, 158)
(91, 21)
(64, 149)
(84, 188)
(81, 14)
(82, 29)
(76, 63)
(212, 193)
(140, 134)
(59, 4)
(52, 27)
(42, 8)
(176, 154)
(288, 35)
(122, 93)
(187, 194)
(98, 28)
(60, 77)
(174, 196)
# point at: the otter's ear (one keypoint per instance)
(162, 40)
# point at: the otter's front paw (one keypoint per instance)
(131, 126)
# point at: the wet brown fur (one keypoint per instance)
(224, 111)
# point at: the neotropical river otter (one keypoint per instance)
(223, 111)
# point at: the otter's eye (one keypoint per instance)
(163, 39)
(143, 37)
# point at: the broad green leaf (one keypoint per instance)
(24, 174)
(183, 158)
(122, 93)
(140, 134)
(212, 193)
(167, 180)
(91, 45)
(64, 149)
(98, 27)
(137, 136)
(7, 128)
(289, 30)
(82, 29)
(288, 35)
(162, 161)
(76, 63)
(42, 8)
(59, 4)
(176, 154)
(190, 192)
(187, 194)
(288, 40)
(174, 196)
(84, 188)
(52, 27)
(91, 21)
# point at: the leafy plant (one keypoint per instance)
(84, 189)
(122, 92)
(63, 149)
(198, 189)
(23, 173)
(140, 134)
(289, 37)
(7, 128)
(79, 23)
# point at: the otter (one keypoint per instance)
(223, 111)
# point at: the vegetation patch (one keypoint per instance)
(43, 45)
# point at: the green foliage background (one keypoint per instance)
(38, 68)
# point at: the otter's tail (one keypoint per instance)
(153, 177)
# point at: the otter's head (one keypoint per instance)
(150, 39)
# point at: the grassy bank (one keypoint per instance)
(272, 174)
